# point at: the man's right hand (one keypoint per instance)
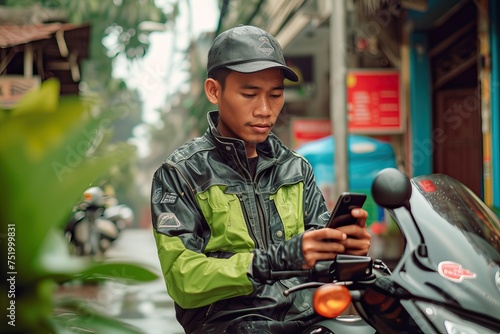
(321, 244)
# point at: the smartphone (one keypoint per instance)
(341, 214)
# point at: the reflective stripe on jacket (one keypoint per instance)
(205, 210)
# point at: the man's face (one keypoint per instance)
(250, 105)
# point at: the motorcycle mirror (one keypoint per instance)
(391, 189)
(330, 300)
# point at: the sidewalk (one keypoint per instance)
(146, 306)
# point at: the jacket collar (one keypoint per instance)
(233, 145)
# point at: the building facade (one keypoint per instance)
(444, 55)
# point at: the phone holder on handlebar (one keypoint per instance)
(323, 271)
(343, 268)
(352, 267)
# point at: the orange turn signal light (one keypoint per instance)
(330, 300)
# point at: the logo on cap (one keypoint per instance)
(265, 47)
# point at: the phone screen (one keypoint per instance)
(341, 214)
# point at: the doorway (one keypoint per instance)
(456, 99)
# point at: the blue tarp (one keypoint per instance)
(367, 156)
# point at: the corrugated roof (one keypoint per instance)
(12, 35)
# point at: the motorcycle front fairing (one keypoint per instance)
(448, 278)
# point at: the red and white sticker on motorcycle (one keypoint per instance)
(454, 271)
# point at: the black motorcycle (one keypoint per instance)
(447, 279)
(97, 222)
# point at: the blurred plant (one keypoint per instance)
(51, 149)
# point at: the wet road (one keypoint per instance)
(146, 306)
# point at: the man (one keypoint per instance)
(235, 205)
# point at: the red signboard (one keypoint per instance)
(305, 130)
(373, 101)
(373, 108)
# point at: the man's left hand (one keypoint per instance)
(358, 238)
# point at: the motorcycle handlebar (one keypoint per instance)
(322, 271)
(343, 268)
(284, 274)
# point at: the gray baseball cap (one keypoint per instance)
(247, 49)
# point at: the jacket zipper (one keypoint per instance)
(247, 220)
(258, 244)
(263, 222)
(261, 213)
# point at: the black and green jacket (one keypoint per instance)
(220, 231)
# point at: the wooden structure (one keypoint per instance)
(44, 51)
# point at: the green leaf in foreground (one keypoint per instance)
(125, 272)
(78, 317)
(51, 150)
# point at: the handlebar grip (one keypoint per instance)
(284, 274)
(343, 268)
(321, 272)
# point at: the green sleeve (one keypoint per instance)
(195, 280)
(192, 278)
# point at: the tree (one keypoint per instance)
(120, 30)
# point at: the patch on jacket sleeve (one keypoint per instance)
(168, 219)
(169, 198)
(157, 195)
(325, 216)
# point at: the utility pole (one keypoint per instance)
(338, 100)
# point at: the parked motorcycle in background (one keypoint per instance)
(97, 222)
(446, 281)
